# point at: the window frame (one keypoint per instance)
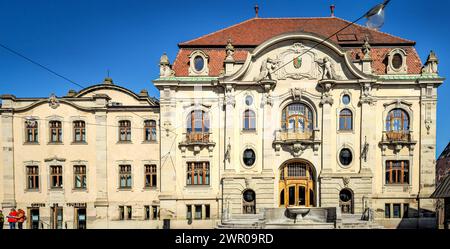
(58, 174)
(345, 120)
(83, 177)
(249, 120)
(125, 127)
(33, 130)
(307, 116)
(53, 127)
(34, 176)
(149, 128)
(193, 171)
(152, 173)
(125, 173)
(404, 167)
(79, 126)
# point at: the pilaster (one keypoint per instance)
(7, 150)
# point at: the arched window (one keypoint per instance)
(297, 117)
(198, 126)
(249, 120)
(397, 120)
(150, 130)
(345, 120)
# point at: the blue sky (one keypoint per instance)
(82, 39)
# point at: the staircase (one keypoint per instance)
(353, 221)
(242, 221)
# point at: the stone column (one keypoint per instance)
(230, 103)
(327, 131)
(369, 136)
(7, 150)
(427, 142)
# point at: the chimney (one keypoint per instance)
(332, 7)
(256, 11)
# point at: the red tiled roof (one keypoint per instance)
(248, 34)
(215, 63)
(255, 31)
(379, 57)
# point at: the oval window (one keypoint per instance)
(249, 195)
(346, 99)
(397, 61)
(199, 63)
(345, 195)
(248, 100)
(345, 157)
(249, 157)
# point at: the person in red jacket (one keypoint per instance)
(12, 219)
(20, 218)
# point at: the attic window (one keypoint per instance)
(199, 63)
(346, 37)
(397, 61)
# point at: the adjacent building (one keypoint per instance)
(255, 118)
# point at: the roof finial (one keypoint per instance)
(332, 7)
(256, 11)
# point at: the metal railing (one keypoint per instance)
(394, 136)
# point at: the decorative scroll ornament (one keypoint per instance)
(229, 96)
(326, 94)
(346, 181)
(366, 96)
(428, 125)
(31, 122)
(53, 102)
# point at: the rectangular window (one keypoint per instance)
(154, 212)
(79, 131)
(56, 178)
(150, 176)
(125, 176)
(147, 212)
(207, 212)
(129, 212)
(124, 130)
(188, 212)
(396, 211)
(121, 212)
(387, 210)
(197, 173)
(397, 172)
(198, 212)
(150, 130)
(55, 132)
(79, 176)
(32, 177)
(31, 131)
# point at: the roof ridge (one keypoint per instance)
(220, 30)
(375, 30)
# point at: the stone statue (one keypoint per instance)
(165, 69)
(430, 66)
(53, 102)
(366, 48)
(267, 68)
(230, 51)
(328, 71)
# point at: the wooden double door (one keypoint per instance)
(297, 186)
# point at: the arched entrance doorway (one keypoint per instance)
(297, 184)
(346, 201)
(249, 202)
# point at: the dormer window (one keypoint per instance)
(198, 63)
(397, 62)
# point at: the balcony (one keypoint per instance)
(296, 141)
(397, 140)
(197, 141)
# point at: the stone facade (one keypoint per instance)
(246, 127)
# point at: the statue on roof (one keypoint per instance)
(165, 69)
(366, 48)
(230, 51)
(430, 66)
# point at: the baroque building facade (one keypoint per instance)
(261, 117)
